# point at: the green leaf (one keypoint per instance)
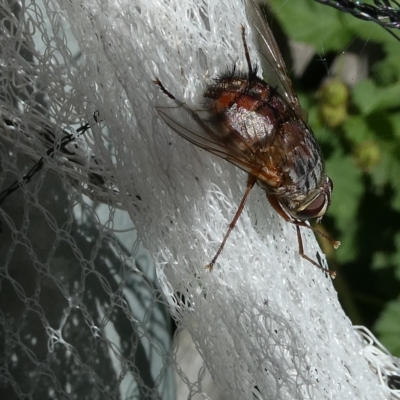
(392, 58)
(394, 120)
(369, 97)
(357, 130)
(380, 174)
(388, 70)
(364, 96)
(309, 22)
(388, 170)
(347, 192)
(388, 327)
(381, 260)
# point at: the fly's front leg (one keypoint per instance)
(275, 204)
(305, 256)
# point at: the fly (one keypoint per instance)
(260, 129)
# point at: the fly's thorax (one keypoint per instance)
(245, 91)
(249, 111)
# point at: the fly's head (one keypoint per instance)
(314, 204)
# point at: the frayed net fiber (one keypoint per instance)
(266, 322)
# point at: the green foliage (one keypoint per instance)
(371, 98)
(360, 139)
(307, 21)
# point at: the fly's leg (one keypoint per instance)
(165, 91)
(246, 50)
(251, 180)
(335, 243)
(275, 204)
(305, 256)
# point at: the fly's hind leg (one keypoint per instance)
(165, 91)
(252, 70)
(246, 49)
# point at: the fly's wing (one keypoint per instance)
(274, 67)
(194, 127)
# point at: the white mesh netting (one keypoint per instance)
(83, 311)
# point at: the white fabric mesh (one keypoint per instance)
(79, 318)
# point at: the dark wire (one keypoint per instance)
(385, 13)
(67, 138)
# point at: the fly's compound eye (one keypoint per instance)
(316, 209)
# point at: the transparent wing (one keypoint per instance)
(274, 67)
(193, 126)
